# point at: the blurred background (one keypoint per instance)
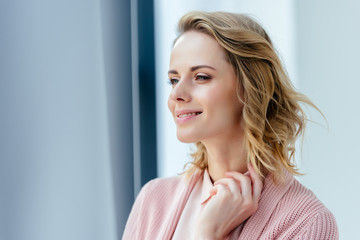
(83, 107)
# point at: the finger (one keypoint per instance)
(244, 181)
(220, 190)
(256, 182)
(231, 184)
(212, 192)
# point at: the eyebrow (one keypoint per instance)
(192, 68)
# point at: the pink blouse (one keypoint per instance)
(163, 211)
(188, 219)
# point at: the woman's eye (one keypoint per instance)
(202, 77)
(173, 81)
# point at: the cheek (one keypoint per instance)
(222, 102)
(171, 105)
(214, 97)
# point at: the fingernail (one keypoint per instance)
(212, 192)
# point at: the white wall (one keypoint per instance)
(319, 42)
(328, 66)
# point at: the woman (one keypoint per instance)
(231, 96)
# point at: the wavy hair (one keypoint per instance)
(272, 113)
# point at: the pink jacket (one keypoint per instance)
(288, 211)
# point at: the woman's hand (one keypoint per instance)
(233, 200)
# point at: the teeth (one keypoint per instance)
(188, 114)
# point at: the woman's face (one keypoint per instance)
(203, 98)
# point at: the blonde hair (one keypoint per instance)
(272, 114)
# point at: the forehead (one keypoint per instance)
(197, 48)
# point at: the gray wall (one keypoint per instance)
(60, 149)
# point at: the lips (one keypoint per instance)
(184, 115)
(187, 112)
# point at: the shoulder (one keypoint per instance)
(162, 186)
(161, 193)
(300, 214)
(301, 201)
(320, 225)
(156, 200)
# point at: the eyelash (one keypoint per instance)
(173, 81)
(203, 77)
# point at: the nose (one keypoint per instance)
(181, 92)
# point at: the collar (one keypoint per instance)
(207, 185)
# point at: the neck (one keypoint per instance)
(225, 154)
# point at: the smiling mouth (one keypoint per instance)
(188, 114)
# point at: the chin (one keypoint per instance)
(185, 138)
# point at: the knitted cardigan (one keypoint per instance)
(286, 211)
